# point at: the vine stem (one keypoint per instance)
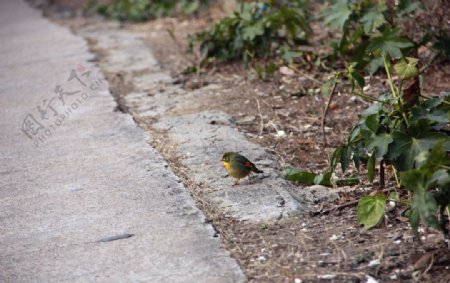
(325, 111)
(396, 177)
(394, 91)
(382, 183)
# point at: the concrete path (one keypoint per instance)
(83, 197)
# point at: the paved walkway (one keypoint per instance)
(83, 197)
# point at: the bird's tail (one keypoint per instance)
(256, 170)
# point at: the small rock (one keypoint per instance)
(280, 134)
(297, 280)
(374, 262)
(370, 279)
(287, 71)
(262, 258)
(334, 238)
(246, 120)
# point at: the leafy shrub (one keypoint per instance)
(366, 26)
(256, 29)
(141, 10)
(403, 131)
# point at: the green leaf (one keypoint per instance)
(425, 204)
(345, 157)
(337, 15)
(326, 87)
(372, 122)
(303, 177)
(406, 69)
(373, 18)
(371, 168)
(390, 42)
(252, 31)
(405, 150)
(323, 179)
(405, 7)
(337, 153)
(433, 110)
(374, 65)
(354, 76)
(379, 144)
(370, 210)
(348, 181)
(288, 55)
(440, 178)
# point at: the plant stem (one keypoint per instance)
(395, 92)
(396, 177)
(382, 183)
(325, 111)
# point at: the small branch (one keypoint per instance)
(382, 184)
(347, 204)
(339, 207)
(330, 97)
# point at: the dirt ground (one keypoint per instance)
(323, 247)
(283, 113)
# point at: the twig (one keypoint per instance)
(341, 206)
(261, 128)
(304, 75)
(380, 258)
(326, 111)
(429, 266)
(347, 204)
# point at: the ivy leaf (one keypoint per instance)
(433, 110)
(408, 6)
(337, 15)
(337, 155)
(252, 31)
(372, 122)
(288, 55)
(441, 178)
(379, 144)
(354, 76)
(303, 177)
(373, 18)
(374, 65)
(345, 157)
(425, 205)
(406, 69)
(405, 150)
(323, 179)
(390, 42)
(370, 210)
(326, 87)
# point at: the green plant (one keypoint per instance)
(366, 26)
(141, 10)
(325, 179)
(256, 29)
(403, 131)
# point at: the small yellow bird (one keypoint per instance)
(238, 166)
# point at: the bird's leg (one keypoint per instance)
(237, 182)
